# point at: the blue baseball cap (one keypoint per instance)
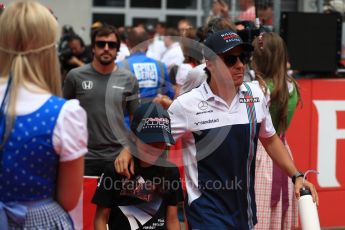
(151, 123)
(223, 41)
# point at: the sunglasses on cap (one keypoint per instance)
(231, 60)
(111, 45)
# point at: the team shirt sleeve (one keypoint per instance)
(132, 100)
(267, 129)
(179, 122)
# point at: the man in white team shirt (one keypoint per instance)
(222, 120)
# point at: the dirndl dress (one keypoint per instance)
(273, 216)
(28, 172)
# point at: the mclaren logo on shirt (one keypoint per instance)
(87, 85)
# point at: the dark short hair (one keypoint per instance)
(173, 33)
(136, 38)
(105, 30)
(162, 24)
(76, 37)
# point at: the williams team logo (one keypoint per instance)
(87, 85)
(230, 37)
(249, 100)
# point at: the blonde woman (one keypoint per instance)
(42, 137)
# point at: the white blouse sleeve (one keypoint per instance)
(70, 133)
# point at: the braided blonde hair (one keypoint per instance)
(27, 50)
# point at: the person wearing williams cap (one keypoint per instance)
(249, 112)
(223, 119)
(197, 75)
(155, 189)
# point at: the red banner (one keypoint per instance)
(317, 140)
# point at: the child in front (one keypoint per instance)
(149, 199)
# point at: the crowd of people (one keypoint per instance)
(117, 107)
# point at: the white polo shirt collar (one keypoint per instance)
(206, 91)
(208, 95)
(243, 89)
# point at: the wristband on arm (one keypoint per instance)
(294, 177)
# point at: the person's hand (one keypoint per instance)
(164, 100)
(75, 61)
(299, 185)
(240, 27)
(124, 163)
(224, 10)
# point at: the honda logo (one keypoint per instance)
(87, 85)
